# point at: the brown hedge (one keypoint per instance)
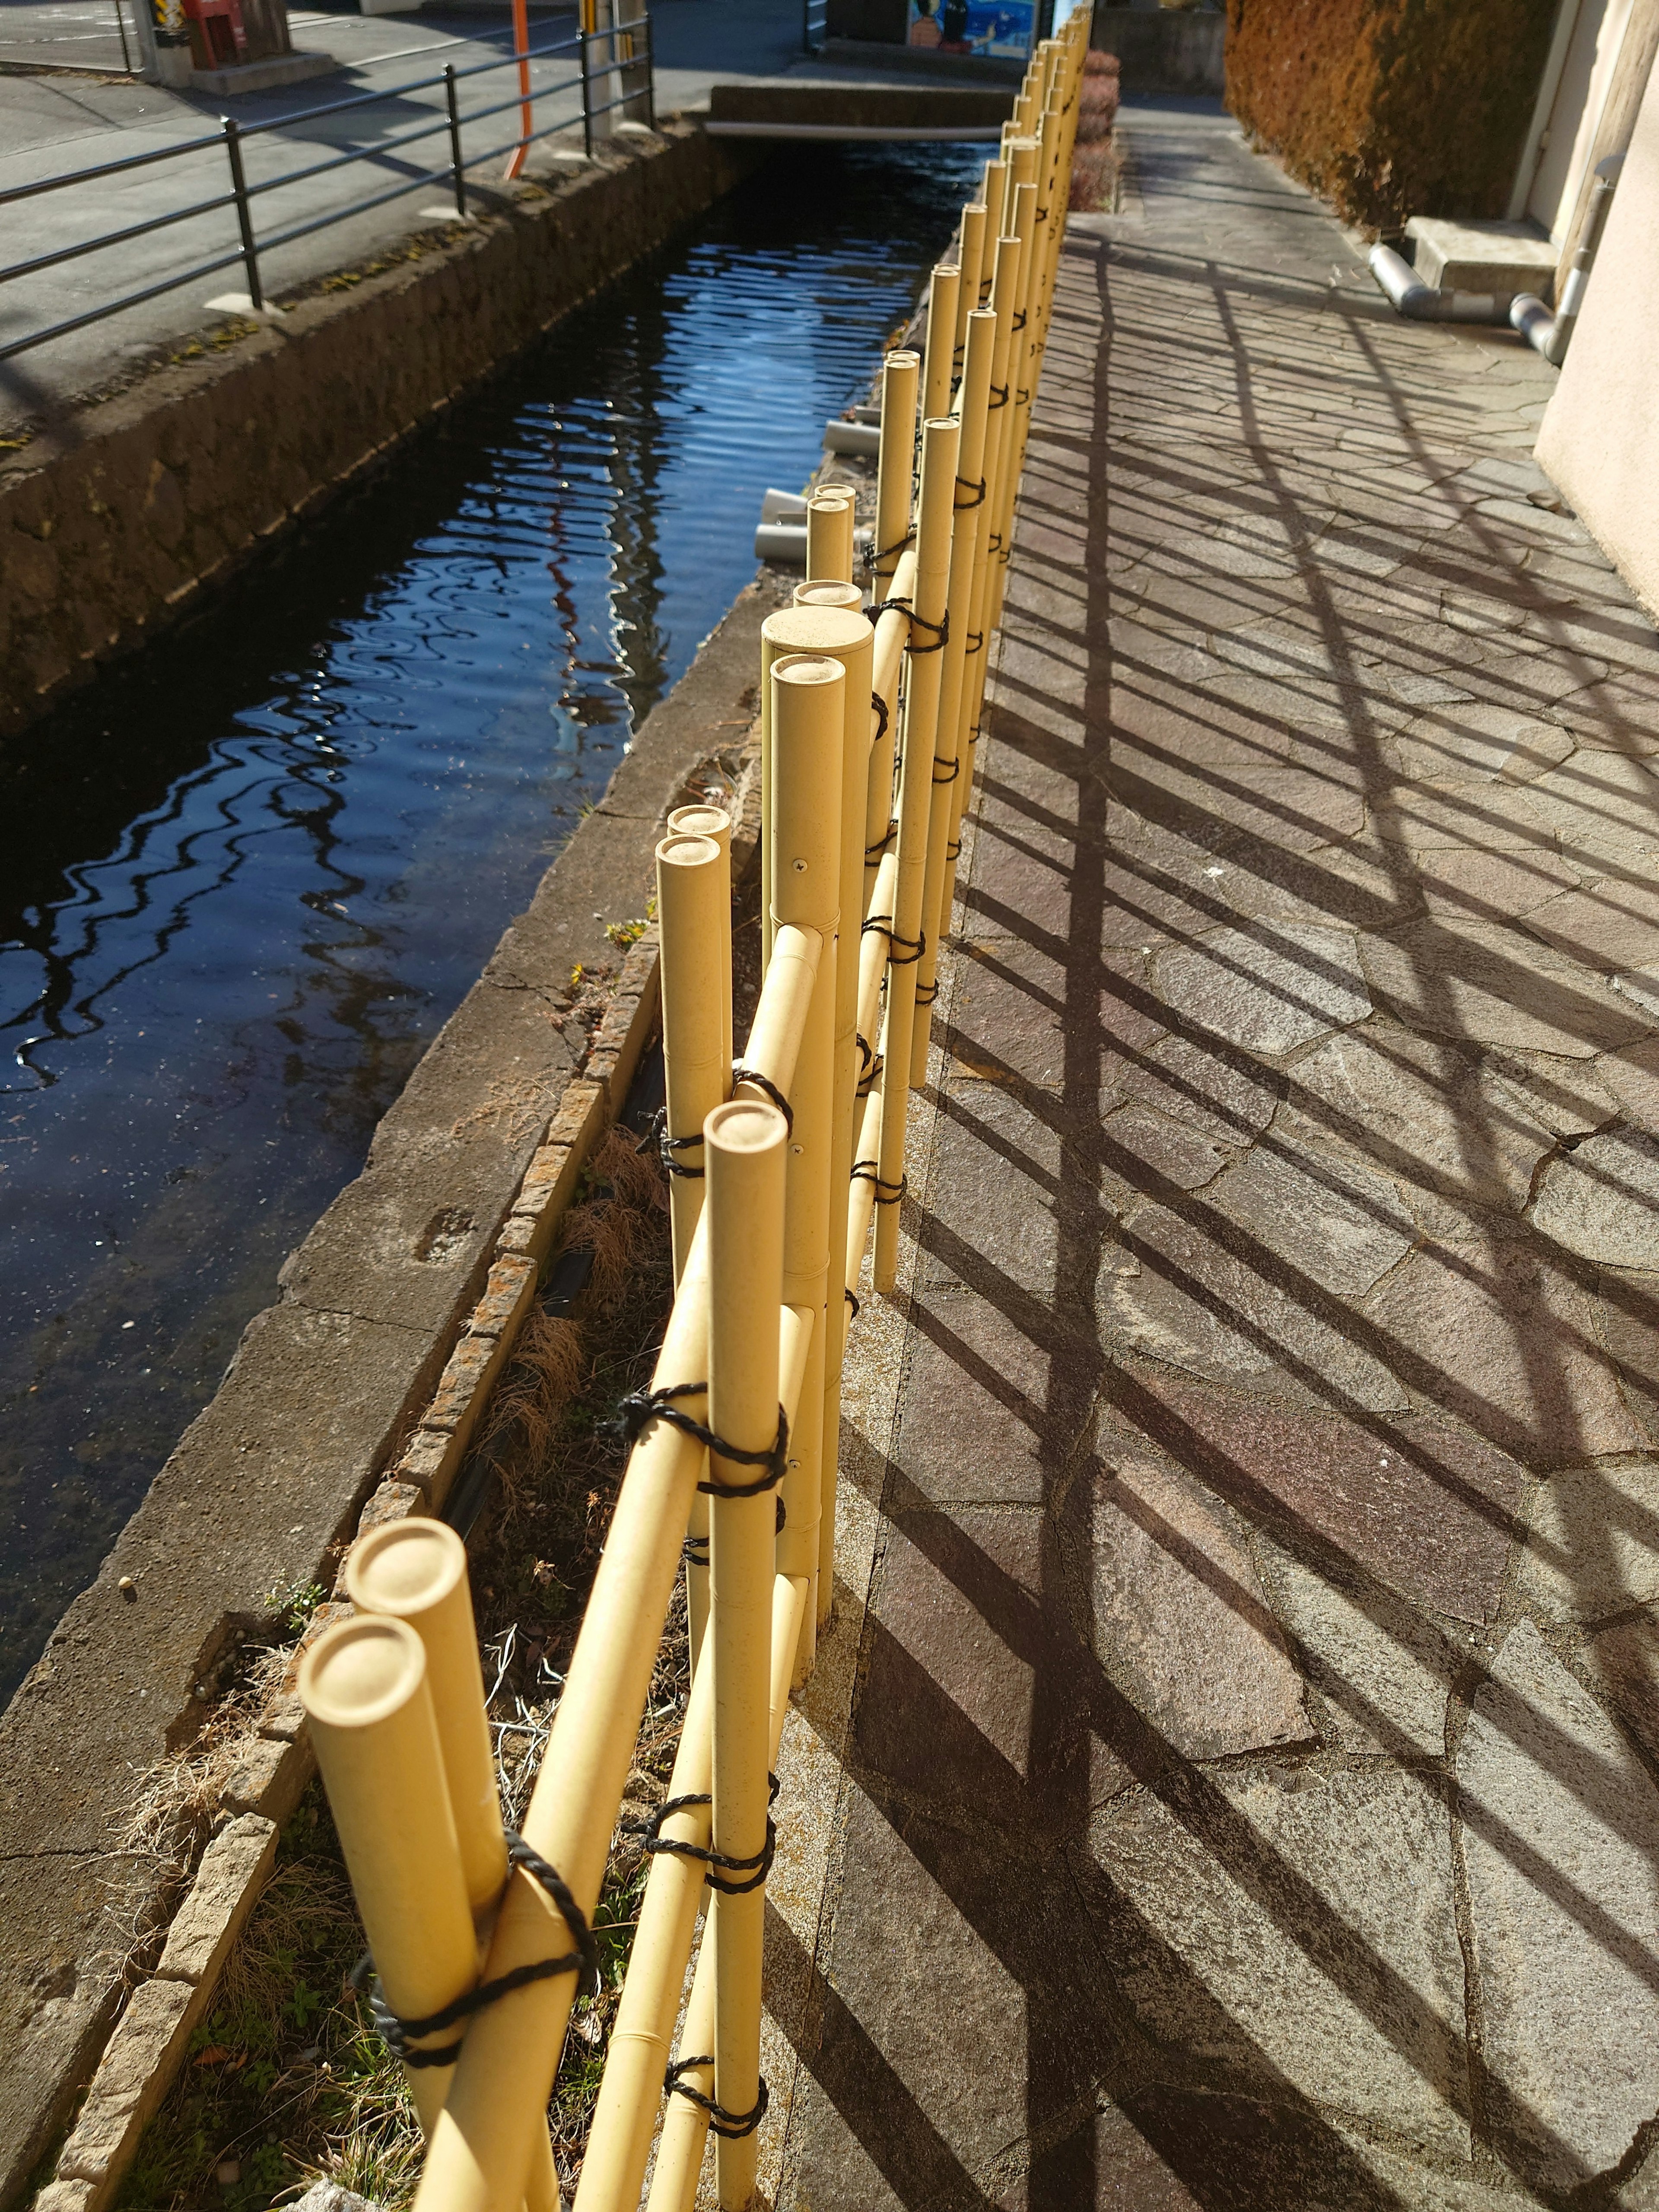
(1390, 109)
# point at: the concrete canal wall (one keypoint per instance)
(117, 522)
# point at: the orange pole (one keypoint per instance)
(521, 47)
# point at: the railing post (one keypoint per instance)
(650, 69)
(244, 213)
(451, 103)
(584, 34)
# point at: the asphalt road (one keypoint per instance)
(54, 124)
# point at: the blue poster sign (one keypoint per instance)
(973, 26)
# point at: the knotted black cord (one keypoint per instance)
(975, 640)
(913, 947)
(878, 706)
(656, 1129)
(1022, 396)
(881, 843)
(853, 1302)
(397, 2034)
(742, 1074)
(720, 2122)
(876, 922)
(1018, 322)
(641, 1407)
(953, 850)
(941, 629)
(927, 993)
(874, 560)
(759, 1865)
(695, 1551)
(866, 1171)
(963, 483)
(999, 397)
(953, 767)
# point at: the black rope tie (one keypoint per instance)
(961, 506)
(853, 1302)
(927, 993)
(1018, 322)
(870, 1068)
(656, 1131)
(742, 1074)
(941, 629)
(880, 921)
(902, 951)
(397, 2034)
(999, 397)
(642, 1408)
(952, 851)
(1022, 396)
(952, 769)
(872, 561)
(975, 642)
(695, 1551)
(887, 1194)
(873, 851)
(878, 708)
(758, 1867)
(994, 542)
(720, 2122)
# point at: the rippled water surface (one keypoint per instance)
(248, 876)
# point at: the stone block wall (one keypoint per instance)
(1390, 109)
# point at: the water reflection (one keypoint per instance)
(246, 880)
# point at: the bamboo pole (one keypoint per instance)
(642, 2034)
(863, 1184)
(367, 1697)
(971, 258)
(747, 1146)
(1021, 371)
(478, 2158)
(896, 467)
(940, 443)
(968, 519)
(820, 724)
(830, 534)
(842, 635)
(714, 822)
(821, 593)
(1004, 290)
(994, 193)
(887, 662)
(694, 910)
(685, 2123)
(940, 357)
(872, 949)
(416, 1570)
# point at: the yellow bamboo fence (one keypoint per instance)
(779, 1161)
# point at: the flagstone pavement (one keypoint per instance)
(1244, 1794)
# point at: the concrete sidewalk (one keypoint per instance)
(1229, 1781)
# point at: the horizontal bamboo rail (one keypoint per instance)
(778, 1161)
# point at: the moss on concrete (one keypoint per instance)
(1390, 109)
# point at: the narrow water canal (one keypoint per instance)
(248, 878)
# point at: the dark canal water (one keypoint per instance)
(248, 878)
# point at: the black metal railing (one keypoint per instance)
(815, 25)
(619, 52)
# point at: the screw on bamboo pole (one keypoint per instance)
(694, 909)
(478, 2160)
(941, 440)
(416, 1570)
(843, 635)
(746, 1146)
(896, 466)
(939, 359)
(818, 722)
(829, 533)
(685, 2123)
(364, 1687)
(966, 532)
